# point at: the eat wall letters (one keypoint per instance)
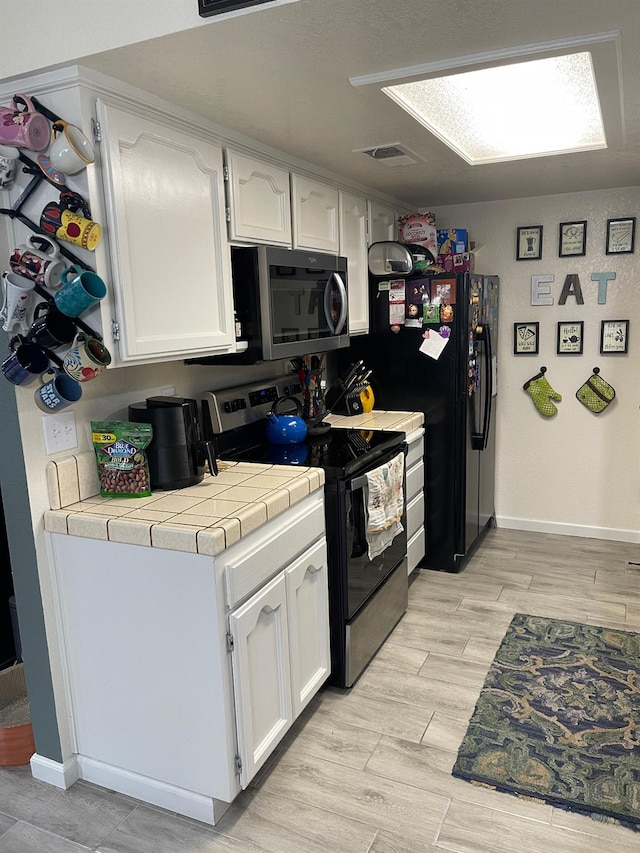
(541, 288)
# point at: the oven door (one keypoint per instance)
(364, 576)
(305, 294)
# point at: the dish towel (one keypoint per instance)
(384, 504)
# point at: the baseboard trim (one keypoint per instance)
(62, 775)
(178, 800)
(537, 526)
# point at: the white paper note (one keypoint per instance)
(433, 345)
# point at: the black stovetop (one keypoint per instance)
(341, 453)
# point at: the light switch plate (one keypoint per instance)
(59, 432)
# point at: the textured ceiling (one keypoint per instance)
(281, 75)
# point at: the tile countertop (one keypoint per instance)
(406, 422)
(202, 519)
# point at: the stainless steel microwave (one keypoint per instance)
(289, 303)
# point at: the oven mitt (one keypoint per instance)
(595, 394)
(542, 394)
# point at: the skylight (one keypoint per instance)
(510, 112)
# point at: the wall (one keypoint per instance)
(82, 27)
(577, 472)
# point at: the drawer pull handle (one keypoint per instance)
(313, 569)
(267, 609)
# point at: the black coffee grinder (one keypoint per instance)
(177, 452)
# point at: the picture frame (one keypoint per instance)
(621, 235)
(572, 239)
(570, 338)
(614, 336)
(526, 338)
(529, 243)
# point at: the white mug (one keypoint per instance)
(70, 151)
(8, 162)
(39, 259)
(17, 291)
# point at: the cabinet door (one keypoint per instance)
(315, 215)
(353, 245)
(170, 258)
(308, 613)
(261, 675)
(382, 223)
(259, 201)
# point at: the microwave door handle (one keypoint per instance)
(335, 330)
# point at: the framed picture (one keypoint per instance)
(529, 243)
(570, 338)
(614, 336)
(572, 239)
(621, 235)
(525, 338)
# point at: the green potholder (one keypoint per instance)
(595, 394)
(542, 394)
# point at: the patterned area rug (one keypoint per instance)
(558, 719)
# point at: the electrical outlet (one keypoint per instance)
(59, 432)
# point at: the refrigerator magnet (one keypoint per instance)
(446, 313)
(431, 313)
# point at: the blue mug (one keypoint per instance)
(59, 392)
(25, 363)
(80, 290)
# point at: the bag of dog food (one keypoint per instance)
(122, 462)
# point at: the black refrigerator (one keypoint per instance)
(457, 392)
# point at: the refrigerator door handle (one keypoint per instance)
(479, 440)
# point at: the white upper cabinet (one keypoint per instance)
(259, 201)
(315, 215)
(170, 259)
(382, 223)
(353, 245)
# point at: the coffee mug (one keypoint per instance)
(86, 359)
(70, 151)
(8, 161)
(16, 290)
(25, 362)
(61, 220)
(38, 259)
(51, 328)
(57, 393)
(80, 290)
(22, 125)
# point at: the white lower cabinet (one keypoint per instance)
(414, 499)
(280, 655)
(184, 671)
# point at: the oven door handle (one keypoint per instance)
(335, 330)
(358, 483)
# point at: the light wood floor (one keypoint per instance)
(369, 771)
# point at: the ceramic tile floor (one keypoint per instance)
(369, 771)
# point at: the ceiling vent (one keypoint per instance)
(392, 154)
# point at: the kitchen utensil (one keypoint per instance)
(38, 259)
(80, 290)
(178, 452)
(70, 151)
(286, 429)
(59, 392)
(8, 160)
(17, 292)
(367, 398)
(22, 125)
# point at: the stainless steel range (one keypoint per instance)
(367, 597)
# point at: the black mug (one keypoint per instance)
(25, 362)
(51, 328)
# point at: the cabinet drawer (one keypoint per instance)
(414, 480)
(254, 560)
(415, 452)
(415, 550)
(415, 514)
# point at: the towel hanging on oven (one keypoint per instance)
(384, 505)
